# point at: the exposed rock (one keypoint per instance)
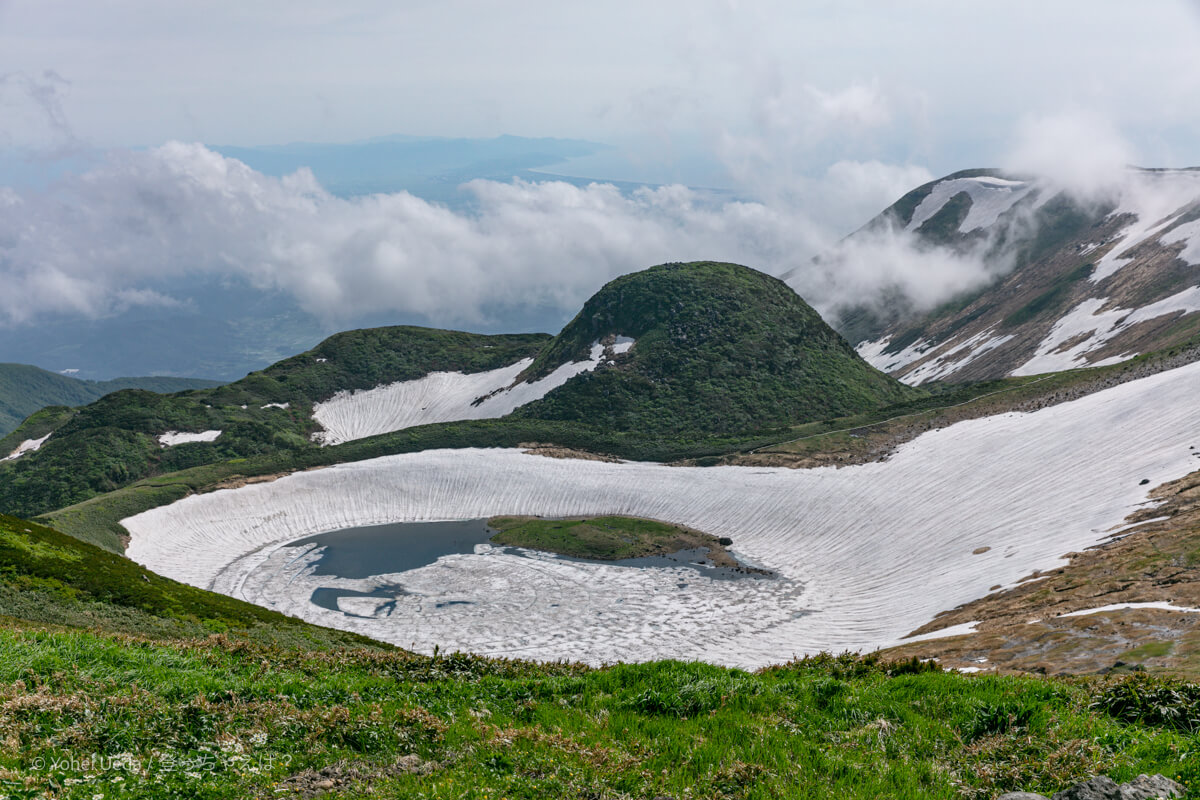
(1145, 787)
(1098, 788)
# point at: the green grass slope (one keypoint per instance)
(47, 577)
(726, 357)
(25, 389)
(720, 347)
(89, 710)
(111, 442)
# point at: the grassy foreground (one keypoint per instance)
(84, 715)
(115, 682)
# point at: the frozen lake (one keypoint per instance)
(863, 554)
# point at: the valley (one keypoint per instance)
(696, 477)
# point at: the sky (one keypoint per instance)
(814, 116)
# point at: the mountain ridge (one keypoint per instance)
(1073, 282)
(25, 389)
(758, 357)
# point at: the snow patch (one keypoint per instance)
(873, 353)
(1156, 201)
(961, 629)
(1125, 606)
(990, 197)
(1097, 328)
(950, 361)
(172, 438)
(865, 554)
(1188, 232)
(439, 397)
(27, 446)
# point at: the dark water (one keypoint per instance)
(399, 547)
(386, 549)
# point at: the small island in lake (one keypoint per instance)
(613, 539)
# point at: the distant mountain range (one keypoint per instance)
(429, 167)
(1079, 281)
(25, 389)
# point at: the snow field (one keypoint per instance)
(990, 197)
(1157, 201)
(172, 438)
(27, 446)
(865, 554)
(441, 397)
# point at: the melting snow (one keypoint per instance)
(1098, 327)
(439, 397)
(27, 446)
(873, 353)
(945, 363)
(172, 438)
(990, 197)
(1186, 232)
(949, 362)
(944, 633)
(1155, 200)
(865, 553)
(1124, 606)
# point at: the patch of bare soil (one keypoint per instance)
(1023, 629)
(238, 481)
(554, 451)
(345, 774)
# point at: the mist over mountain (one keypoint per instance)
(1055, 275)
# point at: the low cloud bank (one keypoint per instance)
(116, 237)
(119, 235)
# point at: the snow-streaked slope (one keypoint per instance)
(953, 358)
(1055, 257)
(1156, 201)
(990, 197)
(1088, 328)
(873, 353)
(27, 446)
(865, 553)
(440, 397)
(172, 438)
(938, 361)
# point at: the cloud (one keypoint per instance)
(859, 104)
(125, 233)
(889, 270)
(1078, 151)
(115, 236)
(43, 94)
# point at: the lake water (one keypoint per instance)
(360, 553)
